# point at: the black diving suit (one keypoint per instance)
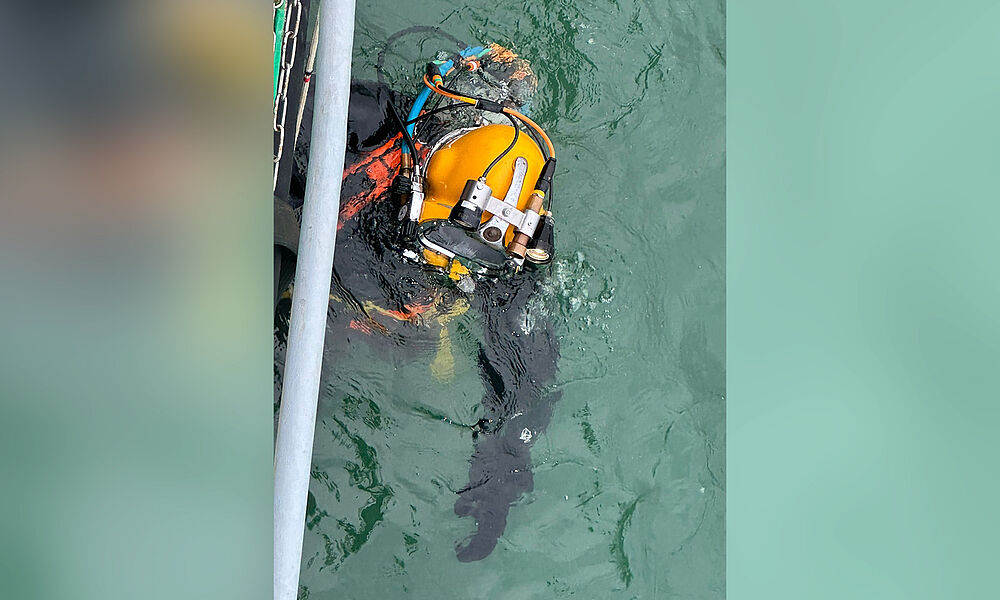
(380, 296)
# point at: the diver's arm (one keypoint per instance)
(518, 364)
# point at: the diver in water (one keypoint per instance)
(442, 213)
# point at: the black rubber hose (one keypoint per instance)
(437, 110)
(541, 145)
(379, 70)
(406, 135)
(438, 97)
(534, 136)
(517, 132)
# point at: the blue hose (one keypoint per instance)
(418, 104)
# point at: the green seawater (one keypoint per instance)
(629, 492)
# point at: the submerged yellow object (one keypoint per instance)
(443, 365)
(433, 258)
(458, 270)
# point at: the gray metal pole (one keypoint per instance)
(307, 328)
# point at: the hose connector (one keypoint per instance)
(518, 246)
(519, 243)
(543, 244)
(545, 177)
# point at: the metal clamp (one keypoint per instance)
(505, 211)
(416, 196)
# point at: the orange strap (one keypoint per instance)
(510, 111)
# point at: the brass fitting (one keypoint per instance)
(519, 243)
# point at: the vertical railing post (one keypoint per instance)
(307, 327)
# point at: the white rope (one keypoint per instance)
(286, 60)
(307, 77)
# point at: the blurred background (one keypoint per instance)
(863, 290)
(135, 230)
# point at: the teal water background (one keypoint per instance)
(629, 495)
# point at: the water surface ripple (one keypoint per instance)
(629, 492)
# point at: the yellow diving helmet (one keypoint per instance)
(477, 204)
